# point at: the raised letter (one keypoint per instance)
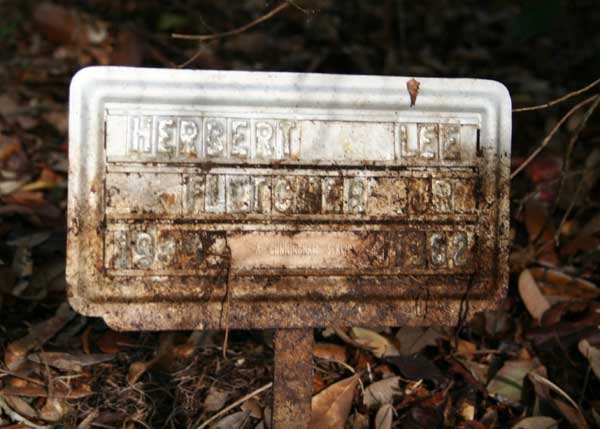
(428, 140)
(214, 137)
(239, 138)
(286, 136)
(450, 142)
(282, 194)
(215, 193)
(188, 131)
(442, 196)
(357, 195)
(140, 135)
(265, 147)
(437, 248)
(166, 135)
(143, 250)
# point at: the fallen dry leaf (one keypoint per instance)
(358, 421)
(20, 406)
(507, 384)
(592, 354)
(215, 399)
(384, 417)
(415, 339)
(381, 392)
(16, 352)
(329, 351)
(377, 344)
(54, 410)
(331, 407)
(541, 231)
(253, 407)
(537, 422)
(138, 368)
(561, 286)
(67, 361)
(60, 391)
(535, 302)
(563, 403)
(233, 421)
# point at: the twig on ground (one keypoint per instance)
(234, 32)
(567, 163)
(551, 134)
(558, 100)
(235, 404)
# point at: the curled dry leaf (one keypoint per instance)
(562, 401)
(215, 399)
(54, 410)
(69, 362)
(329, 351)
(507, 384)
(233, 421)
(532, 297)
(253, 407)
(377, 344)
(537, 422)
(384, 417)
(467, 411)
(562, 286)
(138, 368)
(415, 339)
(592, 354)
(60, 390)
(20, 406)
(16, 352)
(413, 90)
(358, 421)
(5, 409)
(331, 407)
(381, 392)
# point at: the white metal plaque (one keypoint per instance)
(297, 199)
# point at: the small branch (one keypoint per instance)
(567, 164)
(234, 32)
(551, 134)
(558, 100)
(235, 404)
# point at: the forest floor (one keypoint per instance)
(532, 363)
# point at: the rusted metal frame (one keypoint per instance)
(292, 378)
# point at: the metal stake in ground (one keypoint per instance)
(292, 383)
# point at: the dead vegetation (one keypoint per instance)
(533, 363)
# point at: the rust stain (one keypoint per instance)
(292, 379)
(296, 269)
